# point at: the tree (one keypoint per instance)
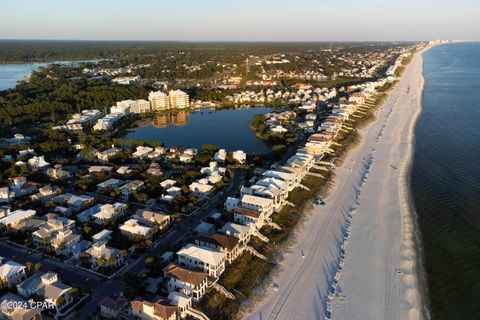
(29, 265)
(101, 261)
(150, 262)
(85, 257)
(60, 300)
(37, 266)
(74, 292)
(140, 196)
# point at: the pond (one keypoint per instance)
(225, 128)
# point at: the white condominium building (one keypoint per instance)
(178, 99)
(159, 101)
(136, 106)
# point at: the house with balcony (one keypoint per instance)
(256, 203)
(153, 219)
(21, 186)
(46, 193)
(77, 203)
(115, 307)
(249, 217)
(291, 179)
(56, 233)
(239, 231)
(12, 273)
(110, 184)
(13, 218)
(132, 228)
(161, 309)
(58, 173)
(109, 212)
(106, 155)
(48, 287)
(228, 245)
(190, 282)
(206, 260)
(13, 307)
(102, 255)
(142, 152)
(129, 188)
(200, 190)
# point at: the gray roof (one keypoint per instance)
(52, 290)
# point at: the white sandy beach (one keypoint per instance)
(378, 280)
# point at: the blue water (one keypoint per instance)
(446, 180)
(11, 73)
(228, 129)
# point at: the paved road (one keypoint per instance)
(66, 272)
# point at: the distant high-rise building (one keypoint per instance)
(159, 101)
(178, 99)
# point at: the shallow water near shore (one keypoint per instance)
(445, 180)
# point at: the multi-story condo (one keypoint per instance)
(136, 106)
(159, 101)
(178, 99)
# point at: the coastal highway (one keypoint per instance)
(372, 284)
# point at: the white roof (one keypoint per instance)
(277, 183)
(132, 226)
(280, 175)
(179, 299)
(10, 268)
(17, 216)
(167, 183)
(195, 186)
(256, 200)
(101, 235)
(206, 255)
(234, 229)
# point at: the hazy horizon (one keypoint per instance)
(247, 21)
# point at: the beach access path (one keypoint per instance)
(378, 280)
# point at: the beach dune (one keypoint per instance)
(370, 202)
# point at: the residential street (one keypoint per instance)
(181, 232)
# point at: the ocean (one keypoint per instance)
(445, 180)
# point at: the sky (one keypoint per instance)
(240, 20)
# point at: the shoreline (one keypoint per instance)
(286, 305)
(409, 215)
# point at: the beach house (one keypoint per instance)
(102, 255)
(48, 287)
(129, 188)
(228, 245)
(12, 273)
(190, 282)
(132, 229)
(161, 309)
(203, 259)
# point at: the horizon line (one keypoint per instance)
(218, 40)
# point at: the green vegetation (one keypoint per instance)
(278, 141)
(44, 99)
